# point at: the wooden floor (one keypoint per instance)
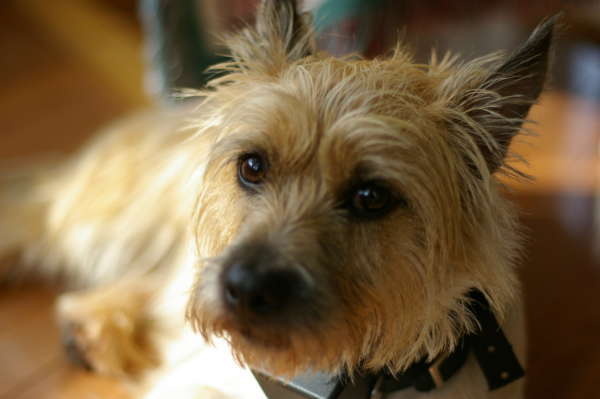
(54, 92)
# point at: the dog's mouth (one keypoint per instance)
(285, 350)
(270, 312)
(270, 333)
(266, 341)
(260, 336)
(291, 343)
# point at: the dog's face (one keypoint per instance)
(349, 205)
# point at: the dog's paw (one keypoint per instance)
(108, 335)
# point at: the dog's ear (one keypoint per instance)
(502, 102)
(279, 22)
(281, 35)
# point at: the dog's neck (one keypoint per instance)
(489, 346)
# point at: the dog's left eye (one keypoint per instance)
(252, 169)
(371, 200)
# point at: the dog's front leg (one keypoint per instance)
(113, 329)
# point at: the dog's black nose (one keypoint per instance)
(252, 290)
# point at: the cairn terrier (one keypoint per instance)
(306, 213)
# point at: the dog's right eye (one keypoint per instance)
(252, 170)
(371, 200)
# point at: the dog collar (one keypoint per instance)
(489, 345)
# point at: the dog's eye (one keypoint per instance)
(371, 200)
(252, 169)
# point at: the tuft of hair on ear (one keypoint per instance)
(500, 104)
(281, 35)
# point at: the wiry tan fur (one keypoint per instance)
(152, 207)
(448, 251)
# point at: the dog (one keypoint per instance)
(305, 213)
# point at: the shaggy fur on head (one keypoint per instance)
(392, 290)
(160, 198)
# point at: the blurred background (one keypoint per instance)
(67, 67)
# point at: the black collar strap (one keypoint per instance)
(492, 350)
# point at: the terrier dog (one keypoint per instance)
(313, 213)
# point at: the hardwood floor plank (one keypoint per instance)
(565, 154)
(60, 381)
(28, 335)
(52, 99)
(100, 37)
(561, 277)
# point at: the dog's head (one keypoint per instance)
(349, 205)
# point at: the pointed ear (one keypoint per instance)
(501, 104)
(281, 35)
(280, 21)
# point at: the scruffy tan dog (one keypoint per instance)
(315, 213)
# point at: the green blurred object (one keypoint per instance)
(332, 12)
(177, 46)
(180, 51)
(348, 26)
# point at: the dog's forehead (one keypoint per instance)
(314, 107)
